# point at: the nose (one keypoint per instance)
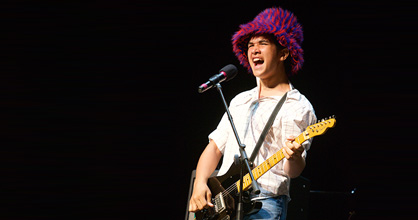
(254, 49)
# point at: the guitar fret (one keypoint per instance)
(261, 169)
(298, 139)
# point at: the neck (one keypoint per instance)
(277, 86)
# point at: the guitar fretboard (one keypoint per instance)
(268, 164)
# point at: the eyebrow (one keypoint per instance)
(260, 41)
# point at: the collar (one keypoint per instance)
(253, 94)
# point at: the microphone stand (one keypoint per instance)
(243, 160)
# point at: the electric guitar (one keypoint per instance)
(226, 187)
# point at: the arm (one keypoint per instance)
(295, 153)
(208, 161)
(295, 161)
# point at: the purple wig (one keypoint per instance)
(282, 24)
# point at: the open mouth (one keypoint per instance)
(258, 61)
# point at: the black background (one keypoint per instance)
(102, 118)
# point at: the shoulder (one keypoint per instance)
(299, 110)
(298, 101)
(244, 97)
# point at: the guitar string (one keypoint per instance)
(229, 189)
(234, 187)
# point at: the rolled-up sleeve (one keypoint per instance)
(220, 134)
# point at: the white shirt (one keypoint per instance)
(250, 114)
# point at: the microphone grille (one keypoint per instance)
(230, 70)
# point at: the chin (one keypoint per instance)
(258, 73)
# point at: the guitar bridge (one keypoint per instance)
(219, 203)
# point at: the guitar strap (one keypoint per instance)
(267, 127)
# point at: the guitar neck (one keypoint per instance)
(311, 131)
(268, 164)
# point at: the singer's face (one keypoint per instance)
(263, 56)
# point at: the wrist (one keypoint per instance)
(200, 181)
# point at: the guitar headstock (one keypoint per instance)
(319, 128)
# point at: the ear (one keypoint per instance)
(284, 53)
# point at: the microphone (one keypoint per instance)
(225, 74)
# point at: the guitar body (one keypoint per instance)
(225, 207)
